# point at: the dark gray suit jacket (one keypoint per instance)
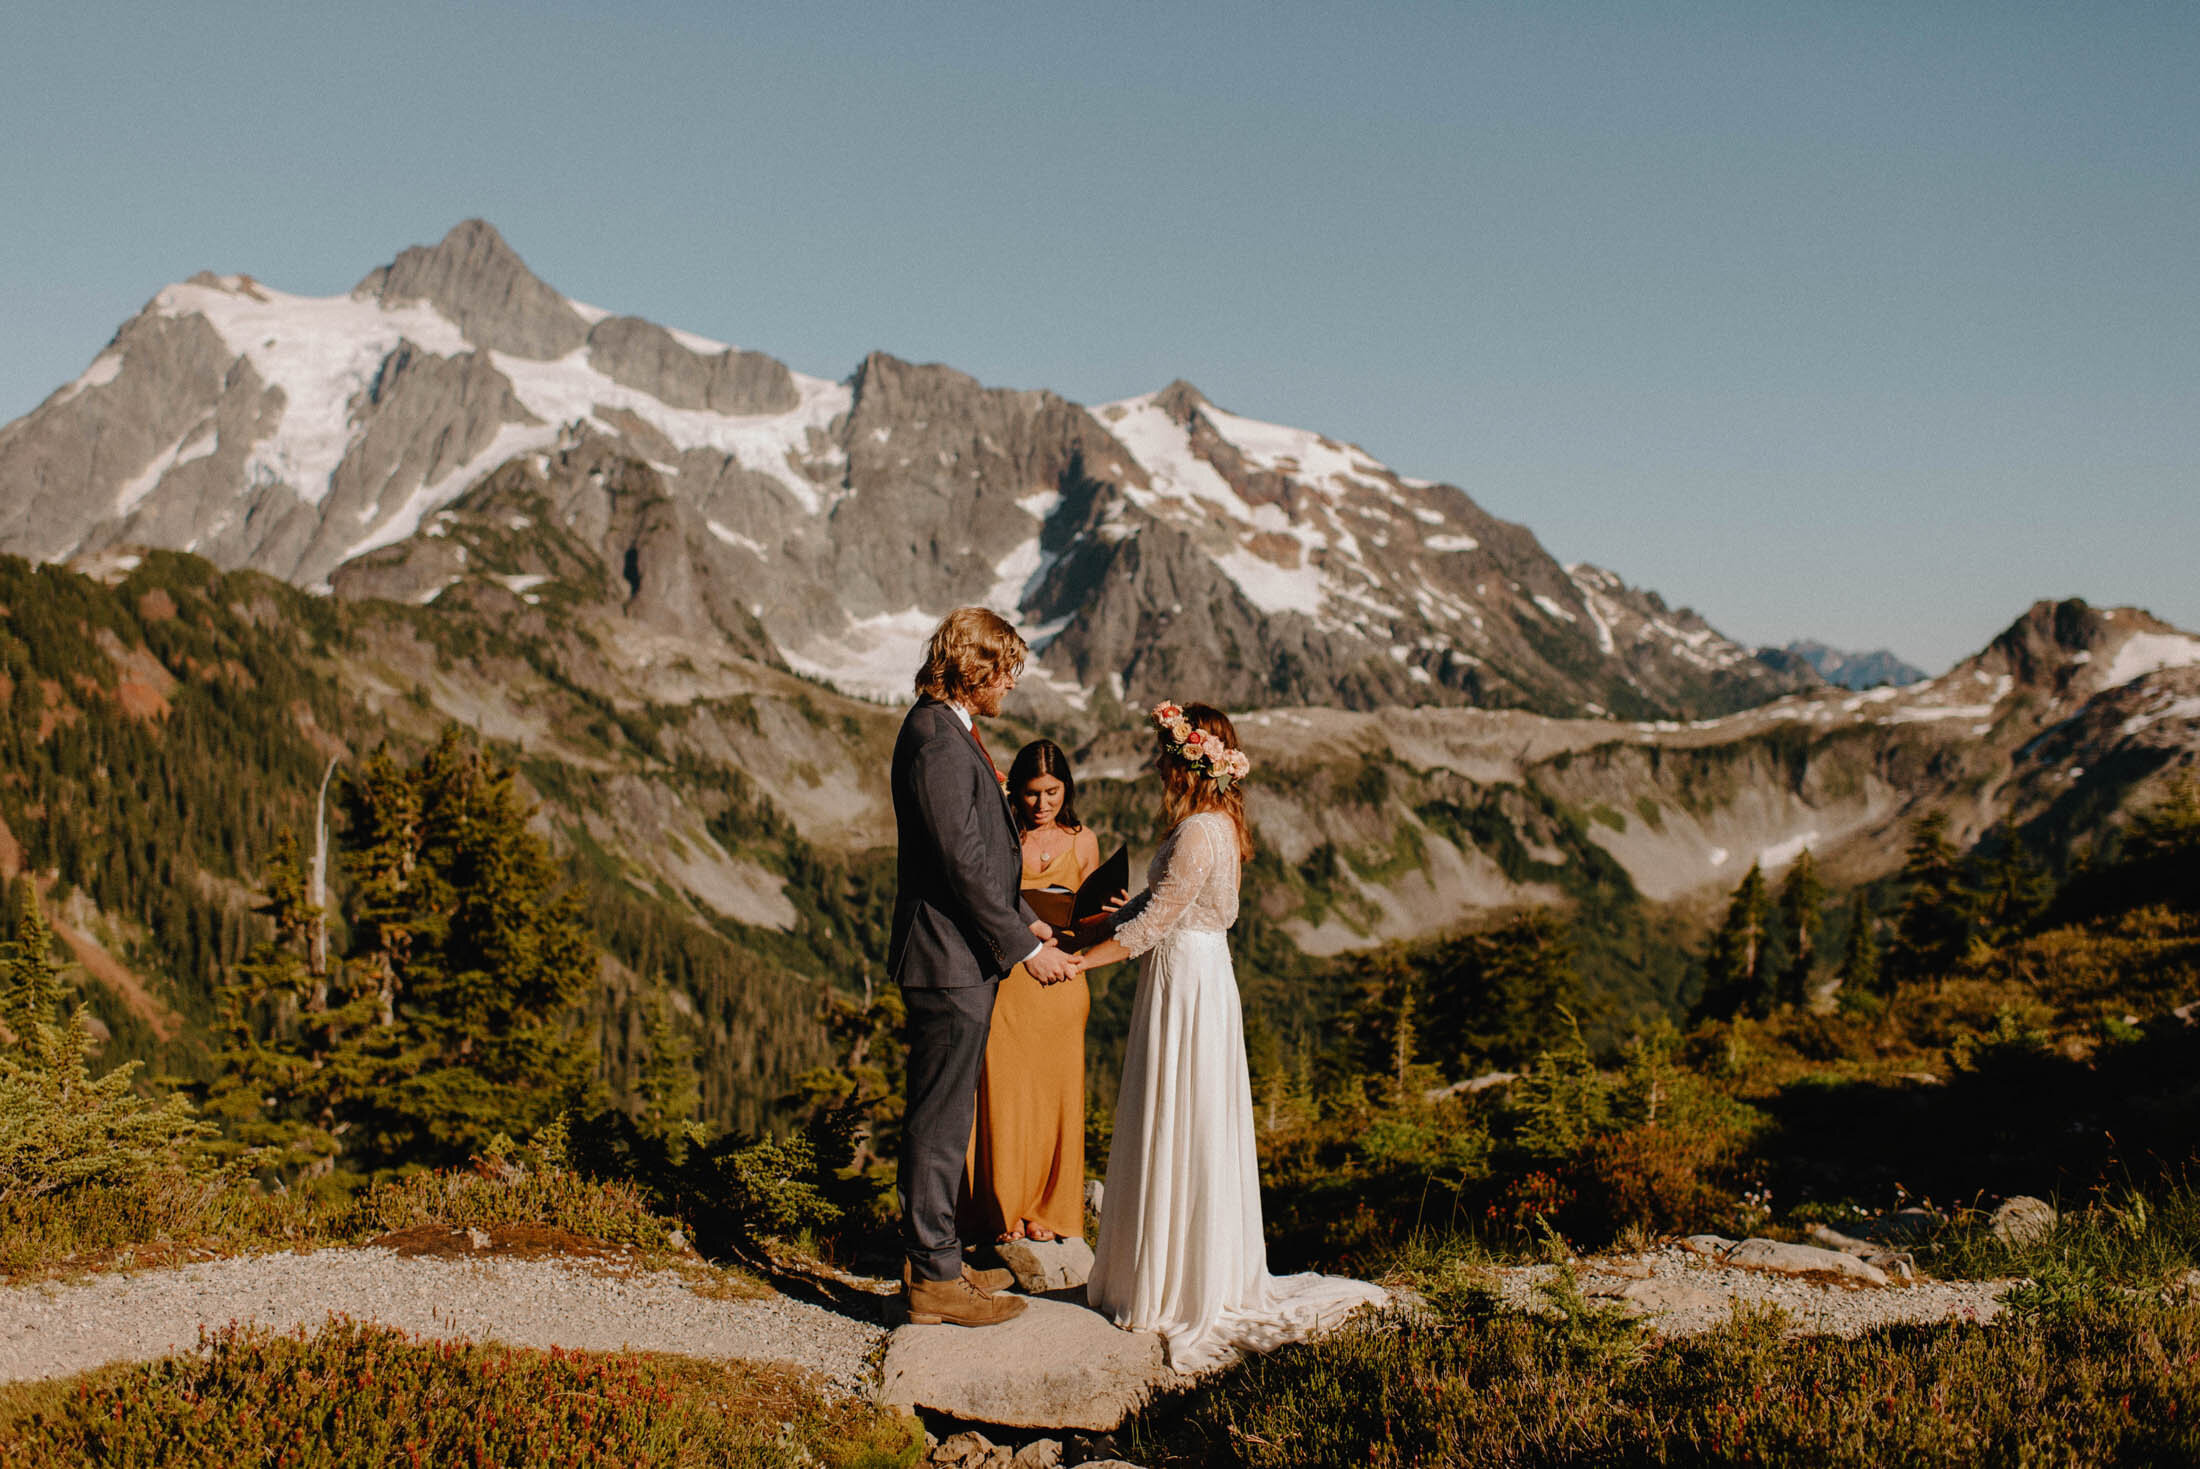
(959, 914)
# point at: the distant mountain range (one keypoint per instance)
(1159, 545)
(1854, 671)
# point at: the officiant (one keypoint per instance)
(1027, 1150)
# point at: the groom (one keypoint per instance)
(960, 924)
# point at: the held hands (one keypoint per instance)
(1052, 965)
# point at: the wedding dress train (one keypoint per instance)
(1180, 1249)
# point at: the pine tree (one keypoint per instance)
(299, 1059)
(1734, 979)
(2016, 892)
(1802, 897)
(666, 1094)
(1860, 968)
(452, 1018)
(60, 1126)
(2161, 854)
(496, 958)
(1932, 929)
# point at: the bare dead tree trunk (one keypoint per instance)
(317, 888)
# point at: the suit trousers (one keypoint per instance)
(945, 1033)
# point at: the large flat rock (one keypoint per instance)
(1057, 1365)
(1043, 1266)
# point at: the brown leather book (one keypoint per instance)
(1062, 910)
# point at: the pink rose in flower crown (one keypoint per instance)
(1166, 713)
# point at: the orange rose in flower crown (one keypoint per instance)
(1198, 748)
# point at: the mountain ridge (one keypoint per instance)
(1153, 544)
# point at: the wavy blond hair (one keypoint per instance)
(970, 648)
(1186, 790)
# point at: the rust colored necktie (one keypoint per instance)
(998, 778)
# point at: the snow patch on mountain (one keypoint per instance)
(322, 351)
(1300, 453)
(873, 657)
(570, 390)
(1164, 450)
(105, 368)
(193, 443)
(2150, 652)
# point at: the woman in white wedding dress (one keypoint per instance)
(1180, 1250)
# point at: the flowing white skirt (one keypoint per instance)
(1180, 1249)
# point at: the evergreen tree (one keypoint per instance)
(1802, 898)
(1735, 978)
(302, 1054)
(452, 1018)
(2016, 892)
(1860, 968)
(495, 959)
(1932, 928)
(666, 1094)
(1494, 998)
(60, 1126)
(2161, 854)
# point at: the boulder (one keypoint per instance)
(1653, 1296)
(969, 1451)
(1055, 1366)
(1041, 1266)
(1787, 1259)
(1897, 1263)
(2024, 1220)
(1713, 1245)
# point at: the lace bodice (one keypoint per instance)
(1192, 883)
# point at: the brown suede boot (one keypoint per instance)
(992, 1282)
(959, 1303)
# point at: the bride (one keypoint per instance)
(1180, 1249)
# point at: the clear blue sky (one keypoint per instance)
(1873, 322)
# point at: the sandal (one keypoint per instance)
(1007, 1236)
(1040, 1233)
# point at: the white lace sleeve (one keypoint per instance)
(1194, 852)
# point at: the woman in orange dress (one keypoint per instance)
(1026, 1169)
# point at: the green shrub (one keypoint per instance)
(2105, 1384)
(368, 1396)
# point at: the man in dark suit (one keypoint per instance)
(960, 924)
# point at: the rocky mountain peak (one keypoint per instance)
(2038, 647)
(478, 281)
(1180, 400)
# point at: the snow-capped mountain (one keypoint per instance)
(1156, 545)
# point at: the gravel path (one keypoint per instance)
(55, 1329)
(1680, 1293)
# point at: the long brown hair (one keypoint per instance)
(1043, 757)
(970, 648)
(1187, 792)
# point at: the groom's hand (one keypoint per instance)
(1052, 966)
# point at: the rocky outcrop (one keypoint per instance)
(1055, 1366)
(479, 282)
(1041, 1266)
(649, 359)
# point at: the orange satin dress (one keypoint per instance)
(1027, 1148)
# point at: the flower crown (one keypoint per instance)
(1203, 751)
